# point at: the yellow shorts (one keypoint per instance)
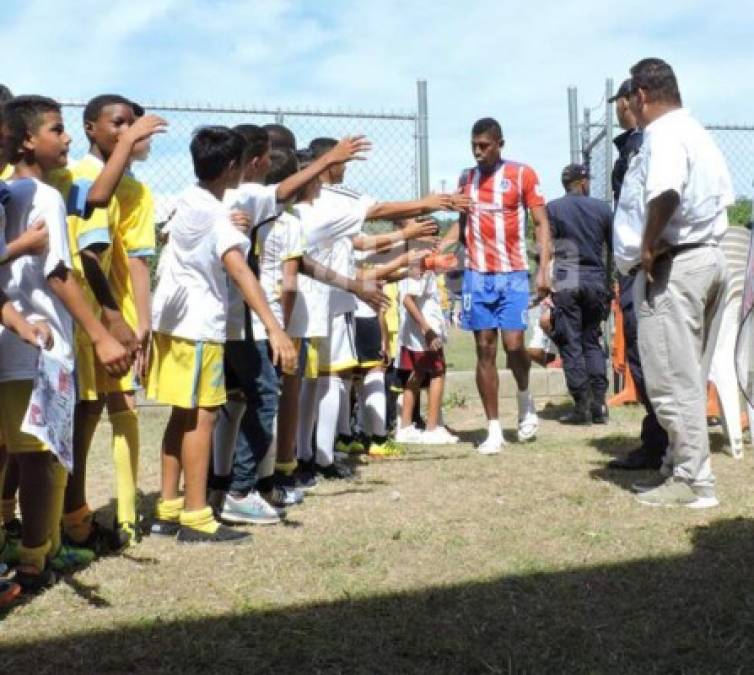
(86, 368)
(109, 385)
(14, 400)
(186, 373)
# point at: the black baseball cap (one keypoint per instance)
(573, 172)
(623, 91)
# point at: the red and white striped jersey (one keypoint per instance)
(495, 230)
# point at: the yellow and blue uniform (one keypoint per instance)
(86, 228)
(7, 172)
(134, 238)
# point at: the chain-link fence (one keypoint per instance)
(592, 144)
(392, 171)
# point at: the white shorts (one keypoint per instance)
(337, 351)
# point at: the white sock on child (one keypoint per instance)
(375, 403)
(328, 403)
(344, 410)
(307, 413)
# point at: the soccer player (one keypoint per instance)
(496, 281)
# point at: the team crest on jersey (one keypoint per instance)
(505, 184)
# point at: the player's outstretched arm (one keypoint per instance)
(348, 149)
(103, 188)
(113, 356)
(283, 351)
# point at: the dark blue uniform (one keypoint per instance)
(654, 439)
(582, 232)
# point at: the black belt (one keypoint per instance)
(680, 248)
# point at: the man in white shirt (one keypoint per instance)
(668, 222)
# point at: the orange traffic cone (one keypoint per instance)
(713, 402)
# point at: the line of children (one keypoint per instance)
(259, 253)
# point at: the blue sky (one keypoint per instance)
(510, 60)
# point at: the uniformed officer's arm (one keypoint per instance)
(544, 243)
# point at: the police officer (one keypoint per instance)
(582, 234)
(654, 439)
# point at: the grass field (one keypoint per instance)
(534, 561)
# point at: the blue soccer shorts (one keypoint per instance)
(495, 300)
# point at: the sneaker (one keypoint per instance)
(386, 449)
(438, 436)
(335, 471)
(99, 539)
(281, 497)
(222, 535)
(250, 509)
(528, 426)
(32, 580)
(352, 447)
(491, 446)
(409, 434)
(71, 558)
(164, 528)
(9, 591)
(676, 492)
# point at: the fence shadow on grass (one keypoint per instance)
(690, 613)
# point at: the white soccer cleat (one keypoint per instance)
(491, 446)
(438, 436)
(409, 434)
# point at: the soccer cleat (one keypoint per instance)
(251, 509)
(99, 540)
(32, 580)
(124, 535)
(352, 447)
(164, 528)
(71, 557)
(438, 436)
(222, 535)
(528, 426)
(386, 449)
(409, 434)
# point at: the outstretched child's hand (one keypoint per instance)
(437, 202)
(112, 355)
(37, 334)
(460, 202)
(350, 147)
(145, 127)
(370, 292)
(420, 227)
(433, 340)
(283, 351)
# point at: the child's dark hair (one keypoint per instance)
(213, 149)
(283, 164)
(280, 136)
(22, 115)
(257, 139)
(319, 146)
(94, 108)
(5, 94)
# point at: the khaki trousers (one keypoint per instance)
(679, 316)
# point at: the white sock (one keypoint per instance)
(224, 436)
(328, 397)
(307, 414)
(525, 403)
(344, 409)
(494, 430)
(375, 403)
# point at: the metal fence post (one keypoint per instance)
(586, 137)
(422, 137)
(608, 141)
(573, 123)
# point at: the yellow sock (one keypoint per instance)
(125, 447)
(286, 468)
(169, 509)
(58, 482)
(33, 557)
(201, 520)
(8, 507)
(78, 523)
